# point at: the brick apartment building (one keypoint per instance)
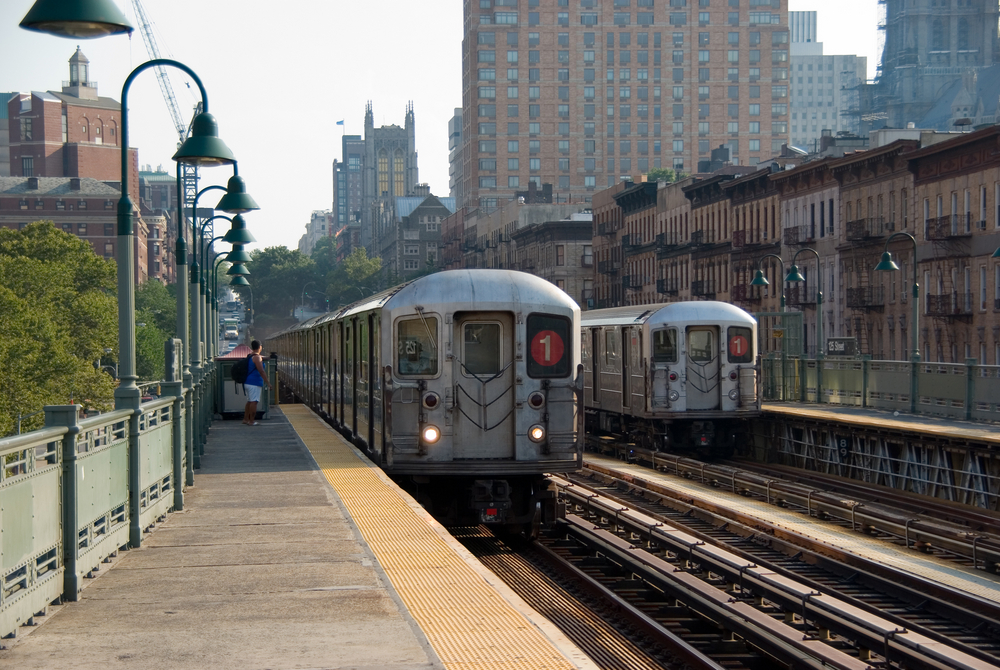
(81, 206)
(580, 95)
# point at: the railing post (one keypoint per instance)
(69, 416)
(176, 389)
(970, 385)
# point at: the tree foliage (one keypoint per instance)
(668, 175)
(355, 277)
(278, 276)
(58, 315)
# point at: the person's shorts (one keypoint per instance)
(253, 393)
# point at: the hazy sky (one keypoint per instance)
(280, 75)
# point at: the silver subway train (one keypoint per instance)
(464, 386)
(678, 377)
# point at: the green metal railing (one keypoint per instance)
(954, 390)
(74, 493)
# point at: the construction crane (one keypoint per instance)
(189, 172)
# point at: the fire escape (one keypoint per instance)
(949, 294)
(865, 299)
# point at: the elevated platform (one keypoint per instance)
(902, 422)
(293, 551)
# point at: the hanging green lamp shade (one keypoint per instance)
(237, 255)
(759, 279)
(204, 146)
(887, 264)
(238, 269)
(238, 233)
(79, 19)
(239, 280)
(236, 200)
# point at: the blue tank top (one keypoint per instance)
(254, 378)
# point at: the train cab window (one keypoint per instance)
(549, 346)
(417, 347)
(701, 345)
(740, 345)
(665, 345)
(481, 350)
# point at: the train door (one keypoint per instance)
(484, 394)
(702, 367)
(363, 397)
(374, 385)
(626, 339)
(339, 377)
(664, 353)
(595, 364)
(347, 377)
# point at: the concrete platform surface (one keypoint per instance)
(262, 569)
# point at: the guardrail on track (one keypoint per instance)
(955, 390)
(74, 493)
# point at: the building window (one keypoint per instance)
(411, 264)
(27, 166)
(81, 229)
(411, 249)
(560, 254)
(109, 249)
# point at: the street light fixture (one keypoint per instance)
(889, 265)
(760, 280)
(80, 19)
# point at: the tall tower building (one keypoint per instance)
(824, 89)
(928, 45)
(389, 168)
(455, 155)
(580, 95)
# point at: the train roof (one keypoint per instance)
(480, 289)
(700, 311)
(487, 289)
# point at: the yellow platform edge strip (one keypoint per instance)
(466, 620)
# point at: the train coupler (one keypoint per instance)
(491, 500)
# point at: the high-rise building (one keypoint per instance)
(581, 96)
(929, 44)
(455, 155)
(4, 135)
(824, 89)
(347, 185)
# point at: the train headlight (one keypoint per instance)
(536, 433)
(431, 400)
(674, 395)
(536, 400)
(431, 434)
(734, 394)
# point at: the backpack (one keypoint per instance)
(240, 371)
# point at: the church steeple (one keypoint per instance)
(79, 78)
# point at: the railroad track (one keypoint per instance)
(857, 613)
(967, 539)
(559, 580)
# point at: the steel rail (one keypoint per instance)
(829, 612)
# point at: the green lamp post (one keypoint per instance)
(795, 276)
(888, 265)
(760, 280)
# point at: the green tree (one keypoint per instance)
(58, 315)
(278, 276)
(356, 276)
(324, 255)
(668, 175)
(158, 304)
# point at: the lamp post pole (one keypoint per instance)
(302, 300)
(888, 265)
(760, 280)
(796, 276)
(127, 395)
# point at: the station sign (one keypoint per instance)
(842, 346)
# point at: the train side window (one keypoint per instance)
(740, 345)
(417, 346)
(481, 351)
(665, 345)
(610, 347)
(550, 346)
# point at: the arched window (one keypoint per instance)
(383, 173)
(398, 174)
(939, 39)
(963, 33)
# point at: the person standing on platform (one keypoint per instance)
(256, 379)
